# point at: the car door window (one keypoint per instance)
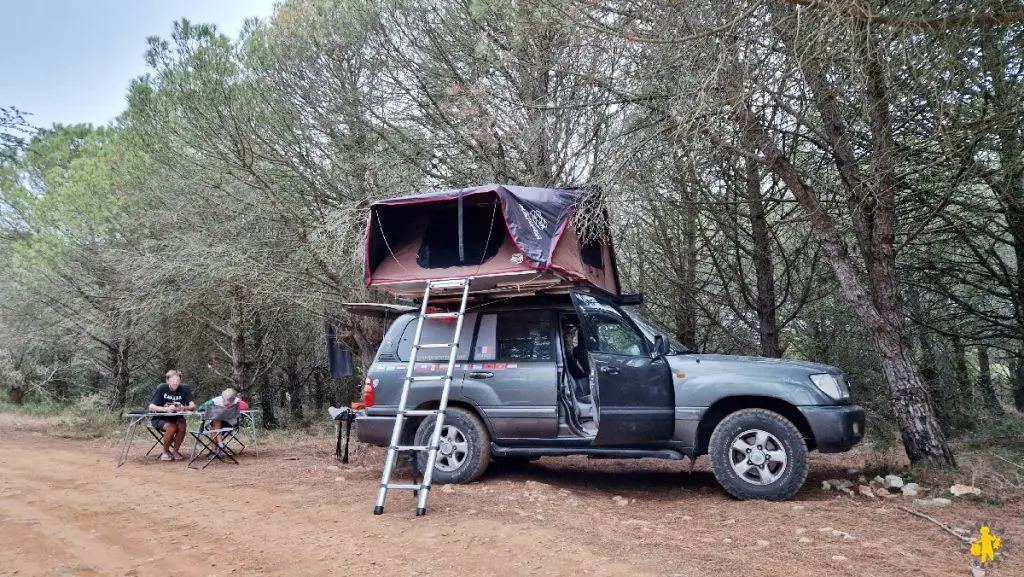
(607, 329)
(611, 335)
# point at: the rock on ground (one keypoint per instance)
(936, 502)
(959, 490)
(892, 482)
(836, 484)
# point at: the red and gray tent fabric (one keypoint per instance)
(510, 239)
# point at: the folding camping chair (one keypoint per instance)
(158, 436)
(206, 436)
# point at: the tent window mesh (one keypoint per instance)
(483, 231)
(592, 254)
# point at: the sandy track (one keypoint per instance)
(66, 510)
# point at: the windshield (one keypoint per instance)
(651, 328)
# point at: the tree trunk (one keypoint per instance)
(121, 378)
(874, 293)
(293, 384)
(684, 309)
(1017, 374)
(321, 392)
(688, 307)
(988, 391)
(536, 75)
(239, 362)
(878, 307)
(962, 389)
(764, 269)
(17, 394)
(266, 401)
(922, 436)
(295, 404)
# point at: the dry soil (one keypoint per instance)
(67, 510)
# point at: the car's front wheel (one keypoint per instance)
(465, 447)
(758, 454)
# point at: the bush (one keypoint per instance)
(88, 418)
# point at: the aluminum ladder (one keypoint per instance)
(403, 414)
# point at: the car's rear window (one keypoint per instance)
(516, 336)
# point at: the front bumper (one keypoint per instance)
(836, 428)
(375, 429)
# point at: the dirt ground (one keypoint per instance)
(66, 510)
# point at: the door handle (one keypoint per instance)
(609, 370)
(481, 375)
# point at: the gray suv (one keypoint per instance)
(580, 374)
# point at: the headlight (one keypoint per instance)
(831, 386)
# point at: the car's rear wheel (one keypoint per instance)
(758, 454)
(465, 447)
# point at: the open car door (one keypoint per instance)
(630, 384)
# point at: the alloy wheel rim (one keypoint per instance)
(758, 457)
(453, 449)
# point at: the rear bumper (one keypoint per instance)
(836, 428)
(375, 429)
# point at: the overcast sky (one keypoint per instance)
(72, 60)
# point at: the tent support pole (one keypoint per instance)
(462, 250)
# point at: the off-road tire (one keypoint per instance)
(477, 458)
(789, 436)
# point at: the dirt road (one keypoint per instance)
(66, 510)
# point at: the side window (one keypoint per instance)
(613, 336)
(606, 328)
(437, 331)
(516, 336)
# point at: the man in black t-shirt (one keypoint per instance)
(171, 397)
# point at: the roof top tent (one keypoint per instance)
(511, 240)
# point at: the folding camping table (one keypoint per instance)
(134, 418)
(133, 422)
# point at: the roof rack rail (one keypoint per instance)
(630, 299)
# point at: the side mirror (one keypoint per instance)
(660, 346)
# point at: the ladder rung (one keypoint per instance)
(421, 412)
(441, 315)
(406, 486)
(437, 345)
(430, 378)
(411, 447)
(443, 284)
